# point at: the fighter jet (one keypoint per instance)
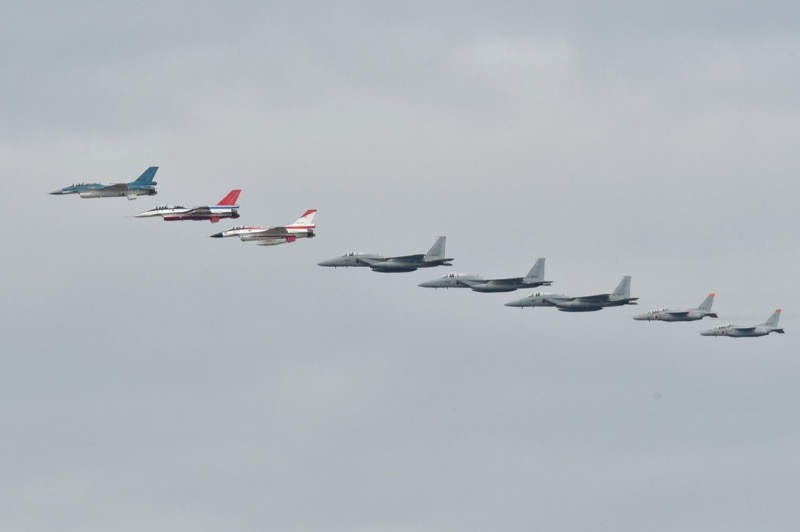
(272, 236)
(379, 263)
(534, 278)
(740, 331)
(620, 296)
(142, 186)
(226, 208)
(681, 315)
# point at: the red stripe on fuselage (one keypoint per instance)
(181, 218)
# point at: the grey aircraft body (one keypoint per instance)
(620, 296)
(406, 263)
(534, 278)
(748, 331)
(692, 314)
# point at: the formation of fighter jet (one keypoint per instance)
(407, 263)
(620, 296)
(272, 236)
(743, 331)
(304, 227)
(534, 278)
(681, 315)
(226, 208)
(141, 186)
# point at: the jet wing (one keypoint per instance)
(270, 232)
(472, 282)
(116, 187)
(511, 281)
(198, 211)
(676, 313)
(372, 261)
(592, 299)
(406, 259)
(555, 300)
(744, 329)
(399, 261)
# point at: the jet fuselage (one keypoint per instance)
(735, 332)
(142, 186)
(675, 315)
(746, 331)
(479, 284)
(130, 193)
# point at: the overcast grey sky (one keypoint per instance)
(155, 379)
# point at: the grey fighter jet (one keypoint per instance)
(681, 315)
(379, 263)
(620, 296)
(534, 278)
(741, 331)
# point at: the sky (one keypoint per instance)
(155, 379)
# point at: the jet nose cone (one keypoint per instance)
(428, 284)
(57, 192)
(516, 303)
(327, 263)
(706, 333)
(640, 317)
(217, 235)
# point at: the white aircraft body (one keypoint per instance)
(272, 236)
(748, 331)
(226, 208)
(620, 296)
(692, 314)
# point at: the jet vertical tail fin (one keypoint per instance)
(231, 198)
(623, 289)
(147, 177)
(773, 320)
(537, 272)
(437, 250)
(707, 302)
(307, 218)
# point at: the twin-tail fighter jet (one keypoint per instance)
(742, 331)
(534, 278)
(379, 263)
(691, 314)
(141, 186)
(226, 208)
(620, 296)
(272, 236)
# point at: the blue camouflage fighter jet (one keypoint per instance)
(142, 186)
